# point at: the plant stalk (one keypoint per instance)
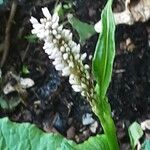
(104, 115)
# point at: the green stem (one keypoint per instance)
(104, 115)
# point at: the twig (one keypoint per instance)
(25, 53)
(7, 32)
(1, 47)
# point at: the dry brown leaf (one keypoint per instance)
(135, 11)
(139, 9)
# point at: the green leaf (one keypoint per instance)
(1, 2)
(27, 136)
(146, 145)
(9, 104)
(135, 133)
(59, 9)
(105, 51)
(96, 143)
(25, 70)
(84, 30)
(31, 38)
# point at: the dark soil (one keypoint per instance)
(51, 104)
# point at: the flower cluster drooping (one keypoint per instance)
(64, 52)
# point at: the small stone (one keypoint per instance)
(93, 127)
(8, 88)
(71, 133)
(87, 119)
(130, 45)
(26, 83)
(70, 120)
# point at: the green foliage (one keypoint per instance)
(63, 9)
(27, 136)
(135, 133)
(84, 30)
(31, 38)
(9, 104)
(59, 9)
(102, 69)
(146, 145)
(105, 51)
(25, 70)
(1, 2)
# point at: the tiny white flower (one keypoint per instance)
(66, 71)
(55, 18)
(48, 38)
(73, 79)
(48, 45)
(34, 31)
(60, 28)
(34, 20)
(58, 36)
(55, 54)
(72, 44)
(54, 32)
(83, 85)
(54, 41)
(77, 56)
(65, 33)
(43, 20)
(65, 45)
(86, 66)
(38, 26)
(47, 26)
(46, 33)
(57, 61)
(48, 51)
(83, 56)
(55, 25)
(87, 76)
(70, 36)
(83, 93)
(41, 35)
(59, 67)
(62, 48)
(67, 49)
(77, 88)
(90, 57)
(76, 48)
(98, 27)
(71, 64)
(46, 13)
(65, 56)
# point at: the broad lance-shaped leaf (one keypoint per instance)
(26, 136)
(84, 29)
(105, 51)
(135, 133)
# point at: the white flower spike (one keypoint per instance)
(64, 52)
